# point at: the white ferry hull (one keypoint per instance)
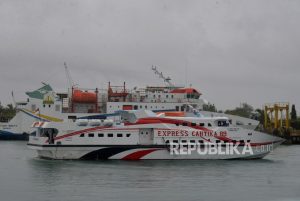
(144, 153)
(150, 138)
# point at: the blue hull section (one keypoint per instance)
(4, 135)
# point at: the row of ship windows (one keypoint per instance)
(193, 124)
(202, 141)
(136, 107)
(220, 124)
(105, 135)
(159, 96)
(196, 96)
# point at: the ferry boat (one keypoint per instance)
(44, 104)
(138, 135)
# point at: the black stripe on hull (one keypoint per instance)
(103, 154)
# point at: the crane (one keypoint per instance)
(69, 78)
(166, 80)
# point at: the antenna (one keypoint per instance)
(13, 98)
(167, 80)
(69, 78)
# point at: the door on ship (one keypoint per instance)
(146, 136)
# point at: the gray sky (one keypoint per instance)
(232, 50)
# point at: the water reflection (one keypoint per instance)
(38, 179)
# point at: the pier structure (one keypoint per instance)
(276, 116)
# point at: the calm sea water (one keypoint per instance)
(27, 178)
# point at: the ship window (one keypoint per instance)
(182, 108)
(201, 141)
(175, 141)
(46, 132)
(141, 106)
(222, 124)
(209, 124)
(145, 106)
(167, 96)
(49, 106)
(136, 107)
(154, 96)
(202, 124)
(242, 141)
(44, 105)
(81, 135)
(91, 135)
(100, 135)
(167, 142)
(119, 135)
(177, 108)
(128, 135)
(110, 135)
(183, 141)
(193, 124)
(33, 133)
(218, 141)
(185, 124)
(233, 141)
(172, 96)
(72, 117)
(177, 124)
(248, 141)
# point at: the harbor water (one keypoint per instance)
(25, 177)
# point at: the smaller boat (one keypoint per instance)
(136, 135)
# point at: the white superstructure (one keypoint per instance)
(47, 105)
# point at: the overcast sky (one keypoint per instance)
(231, 50)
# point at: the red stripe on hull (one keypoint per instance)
(139, 154)
(157, 120)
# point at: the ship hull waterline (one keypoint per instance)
(137, 152)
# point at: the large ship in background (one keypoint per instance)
(44, 104)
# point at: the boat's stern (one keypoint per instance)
(39, 138)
